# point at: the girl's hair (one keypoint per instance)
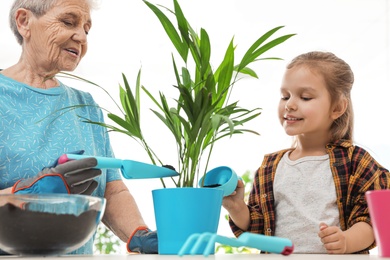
(38, 8)
(339, 79)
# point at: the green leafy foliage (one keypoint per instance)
(105, 241)
(202, 113)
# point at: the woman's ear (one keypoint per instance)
(339, 108)
(22, 18)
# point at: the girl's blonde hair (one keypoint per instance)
(339, 79)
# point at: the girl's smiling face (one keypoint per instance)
(305, 105)
(57, 41)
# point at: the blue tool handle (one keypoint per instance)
(230, 241)
(269, 244)
(103, 162)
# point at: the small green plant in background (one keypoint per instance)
(105, 241)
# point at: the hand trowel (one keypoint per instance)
(130, 169)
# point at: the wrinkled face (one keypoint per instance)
(305, 105)
(58, 39)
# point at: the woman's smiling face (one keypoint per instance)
(57, 41)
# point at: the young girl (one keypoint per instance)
(314, 192)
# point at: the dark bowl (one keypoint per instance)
(47, 224)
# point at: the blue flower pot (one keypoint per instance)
(181, 212)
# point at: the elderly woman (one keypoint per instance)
(53, 36)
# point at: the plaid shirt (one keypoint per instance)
(354, 172)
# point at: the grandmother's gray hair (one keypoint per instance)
(38, 8)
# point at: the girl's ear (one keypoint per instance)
(22, 18)
(339, 108)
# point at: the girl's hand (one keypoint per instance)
(237, 208)
(236, 198)
(333, 238)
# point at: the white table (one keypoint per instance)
(200, 257)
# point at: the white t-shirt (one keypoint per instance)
(305, 196)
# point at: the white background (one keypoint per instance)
(126, 36)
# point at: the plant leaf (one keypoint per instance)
(180, 46)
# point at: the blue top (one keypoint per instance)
(34, 132)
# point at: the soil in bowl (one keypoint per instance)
(25, 232)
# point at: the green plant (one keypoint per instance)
(202, 113)
(105, 241)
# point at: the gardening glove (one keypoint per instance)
(143, 241)
(72, 177)
(60, 159)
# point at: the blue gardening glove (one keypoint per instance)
(143, 241)
(72, 177)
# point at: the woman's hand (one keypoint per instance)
(73, 177)
(6, 191)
